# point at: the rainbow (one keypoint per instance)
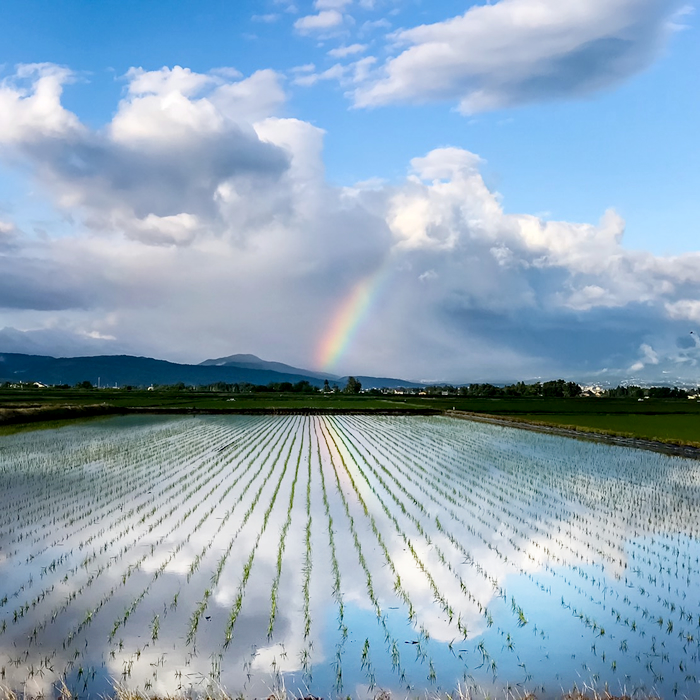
(348, 318)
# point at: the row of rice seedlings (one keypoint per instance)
(85, 563)
(337, 591)
(145, 527)
(281, 435)
(447, 608)
(459, 499)
(305, 654)
(377, 448)
(238, 601)
(520, 613)
(91, 612)
(281, 546)
(390, 640)
(129, 479)
(366, 665)
(173, 554)
(587, 531)
(439, 597)
(591, 622)
(255, 443)
(516, 609)
(165, 536)
(57, 486)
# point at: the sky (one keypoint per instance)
(439, 191)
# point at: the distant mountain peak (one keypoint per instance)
(231, 359)
(248, 361)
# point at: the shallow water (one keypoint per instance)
(344, 555)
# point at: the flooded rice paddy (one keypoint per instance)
(343, 556)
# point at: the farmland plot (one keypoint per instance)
(343, 556)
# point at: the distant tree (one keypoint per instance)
(353, 386)
(304, 387)
(84, 385)
(572, 389)
(326, 386)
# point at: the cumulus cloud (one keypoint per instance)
(176, 139)
(199, 222)
(322, 21)
(518, 51)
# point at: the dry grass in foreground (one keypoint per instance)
(121, 693)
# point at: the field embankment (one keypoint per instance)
(18, 415)
(560, 426)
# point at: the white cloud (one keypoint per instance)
(373, 25)
(649, 357)
(518, 51)
(345, 75)
(345, 51)
(678, 21)
(335, 72)
(684, 310)
(252, 98)
(176, 137)
(202, 222)
(306, 68)
(34, 111)
(324, 20)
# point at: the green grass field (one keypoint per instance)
(664, 427)
(672, 420)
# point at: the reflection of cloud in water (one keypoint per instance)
(574, 539)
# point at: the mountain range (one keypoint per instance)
(128, 370)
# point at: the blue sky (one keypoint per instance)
(197, 179)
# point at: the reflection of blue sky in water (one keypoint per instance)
(568, 530)
(633, 633)
(580, 641)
